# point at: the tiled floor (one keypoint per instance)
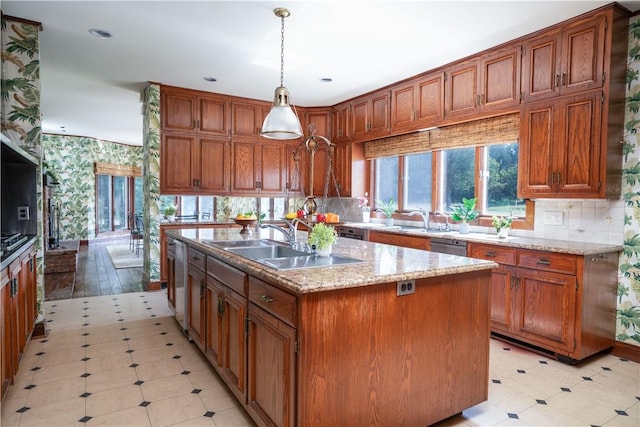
(121, 360)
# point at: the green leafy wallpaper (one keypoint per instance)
(20, 114)
(628, 311)
(72, 159)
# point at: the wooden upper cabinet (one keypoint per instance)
(566, 61)
(193, 164)
(178, 110)
(483, 84)
(341, 122)
(184, 110)
(248, 117)
(461, 89)
(320, 119)
(418, 103)
(500, 79)
(562, 148)
(259, 167)
(370, 116)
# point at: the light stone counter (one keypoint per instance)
(381, 263)
(560, 246)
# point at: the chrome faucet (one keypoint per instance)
(423, 215)
(289, 234)
(446, 220)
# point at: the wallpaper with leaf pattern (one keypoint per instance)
(72, 159)
(20, 119)
(628, 311)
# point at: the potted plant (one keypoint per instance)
(388, 208)
(170, 212)
(464, 212)
(322, 236)
(502, 224)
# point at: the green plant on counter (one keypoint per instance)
(388, 208)
(322, 236)
(170, 210)
(465, 211)
(500, 222)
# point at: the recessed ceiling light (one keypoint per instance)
(103, 34)
(326, 79)
(210, 79)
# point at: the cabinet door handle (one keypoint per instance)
(564, 79)
(267, 299)
(543, 261)
(557, 80)
(512, 283)
(559, 178)
(490, 254)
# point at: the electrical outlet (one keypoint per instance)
(406, 287)
(23, 213)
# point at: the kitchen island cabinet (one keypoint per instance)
(196, 294)
(309, 346)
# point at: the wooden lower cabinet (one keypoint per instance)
(404, 240)
(18, 299)
(225, 343)
(196, 294)
(563, 304)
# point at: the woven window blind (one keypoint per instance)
(113, 169)
(493, 130)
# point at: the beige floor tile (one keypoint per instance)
(205, 378)
(632, 419)
(196, 422)
(146, 342)
(145, 331)
(152, 354)
(51, 374)
(58, 357)
(10, 418)
(108, 362)
(484, 414)
(118, 346)
(131, 417)
(175, 410)
(232, 417)
(56, 391)
(104, 336)
(218, 398)
(58, 413)
(194, 362)
(507, 399)
(107, 380)
(610, 396)
(584, 410)
(114, 400)
(163, 388)
(159, 369)
(546, 416)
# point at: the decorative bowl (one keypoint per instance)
(245, 223)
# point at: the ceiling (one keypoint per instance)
(91, 86)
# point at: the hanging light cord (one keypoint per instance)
(282, 52)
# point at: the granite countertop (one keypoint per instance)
(381, 263)
(551, 245)
(9, 257)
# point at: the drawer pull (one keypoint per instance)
(267, 299)
(195, 258)
(490, 254)
(543, 261)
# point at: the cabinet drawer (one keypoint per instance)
(279, 303)
(230, 276)
(497, 254)
(561, 263)
(197, 259)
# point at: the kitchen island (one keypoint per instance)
(338, 345)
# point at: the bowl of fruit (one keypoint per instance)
(245, 220)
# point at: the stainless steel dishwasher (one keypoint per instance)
(448, 246)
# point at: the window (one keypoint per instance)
(387, 171)
(435, 180)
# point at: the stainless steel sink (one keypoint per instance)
(309, 261)
(277, 255)
(228, 244)
(274, 251)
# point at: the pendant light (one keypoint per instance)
(281, 122)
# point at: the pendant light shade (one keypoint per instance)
(281, 122)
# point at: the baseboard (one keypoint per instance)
(626, 351)
(153, 286)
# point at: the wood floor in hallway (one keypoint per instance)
(95, 275)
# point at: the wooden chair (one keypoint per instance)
(134, 236)
(139, 239)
